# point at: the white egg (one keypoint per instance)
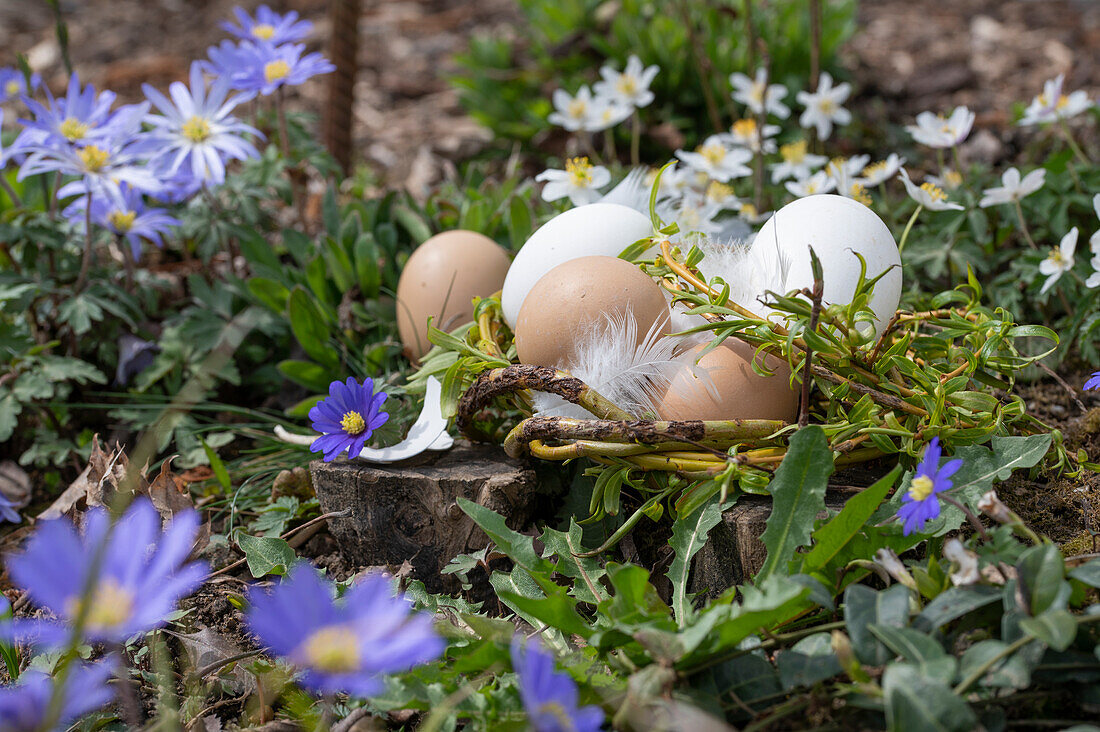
(836, 227)
(598, 229)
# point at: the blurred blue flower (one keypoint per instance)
(347, 418)
(79, 118)
(347, 645)
(550, 697)
(129, 218)
(8, 510)
(268, 26)
(24, 705)
(261, 68)
(921, 502)
(13, 84)
(134, 356)
(1093, 382)
(195, 129)
(141, 578)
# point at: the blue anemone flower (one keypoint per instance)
(13, 84)
(80, 117)
(1093, 382)
(141, 576)
(129, 218)
(550, 697)
(8, 510)
(260, 68)
(347, 645)
(24, 705)
(921, 502)
(347, 418)
(268, 26)
(196, 130)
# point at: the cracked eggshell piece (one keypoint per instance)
(836, 227)
(597, 229)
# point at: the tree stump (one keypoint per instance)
(407, 511)
(734, 552)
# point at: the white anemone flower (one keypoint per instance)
(1054, 104)
(723, 196)
(928, 195)
(798, 162)
(747, 133)
(1059, 261)
(571, 112)
(694, 215)
(758, 95)
(1094, 279)
(1094, 240)
(718, 160)
(819, 182)
(949, 179)
(1013, 187)
(604, 113)
(878, 173)
(937, 131)
(843, 171)
(629, 88)
(823, 107)
(580, 181)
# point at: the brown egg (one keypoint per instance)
(440, 280)
(572, 296)
(741, 392)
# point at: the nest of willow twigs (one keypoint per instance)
(947, 372)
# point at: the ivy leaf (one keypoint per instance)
(266, 555)
(798, 495)
(689, 534)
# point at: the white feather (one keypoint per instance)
(631, 192)
(750, 270)
(631, 375)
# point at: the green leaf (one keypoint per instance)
(954, 604)
(689, 534)
(79, 313)
(721, 627)
(520, 548)
(310, 328)
(837, 533)
(586, 572)
(798, 495)
(217, 466)
(1057, 628)
(310, 375)
(808, 661)
(864, 607)
(1011, 672)
(910, 644)
(1088, 573)
(266, 555)
(10, 409)
(1040, 575)
(270, 293)
(915, 703)
(367, 268)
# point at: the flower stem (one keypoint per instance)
(284, 136)
(15, 200)
(969, 515)
(912, 220)
(1068, 136)
(635, 139)
(1023, 224)
(609, 145)
(86, 261)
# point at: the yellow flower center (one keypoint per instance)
(12, 88)
(121, 221)
(580, 172)
(334, 649)
(276, 70)
(1063, 100)
(874, 169)
(795, 152)
(263, 31)
(836, 166)
(1058, 258)
(627, 85)
(353, 423)
(577, 108)
(558, 712)
(111, 605)
(934, 192)
(921, 488)
(93, 158)
(952, 178)
(744, 128)
(713, 153)
(196, 129)
(811, 188)
(73, 129)
(756, 93)
(719, 191)
(748, 210)
(859, 193)
(827, 106)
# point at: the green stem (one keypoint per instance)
(1068, 136)
(1023, 224)
(912, 220)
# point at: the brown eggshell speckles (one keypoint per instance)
(741, 392)
(571, 297)
(440, 280)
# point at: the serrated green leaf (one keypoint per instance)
(798, 495)
(689, 535)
